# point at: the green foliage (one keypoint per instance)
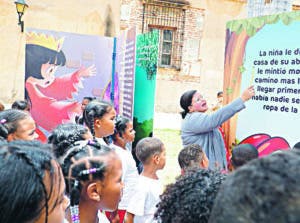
(242, 69)
(252, 25)
(229, 90)
(143, 129)
(147, 52)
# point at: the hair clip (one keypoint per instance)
(92, 170)
(74, 213)
(91, 142)
(76, 183)
(3, 121)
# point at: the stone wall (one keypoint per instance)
(191, 61)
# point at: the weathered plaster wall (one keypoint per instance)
(92, 17)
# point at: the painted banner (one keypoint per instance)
(126, 66)
(264, 52)
(62, 68)
(145, 83)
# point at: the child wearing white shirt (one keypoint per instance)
(142, 206)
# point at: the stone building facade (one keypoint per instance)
(181, 29)
(180, 26)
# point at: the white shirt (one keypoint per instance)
(144, 200)
(101, 141)
(129, 177)
(102, 218)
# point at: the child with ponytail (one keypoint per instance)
(124, 134)
(16, 125)
(99, 117)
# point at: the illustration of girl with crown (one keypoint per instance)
(50, 97)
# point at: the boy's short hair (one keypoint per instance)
(190, 156)
(220, 94)
(148, 147)
(243, 153)
(297, 146)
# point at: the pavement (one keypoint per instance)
(167, 120)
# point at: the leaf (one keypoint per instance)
(240, 29)
(257, 22)
(285, 19)
(242, 69)
(251, 30)
(236, 26)
(229, 25)
(272, 19)
(229, 91)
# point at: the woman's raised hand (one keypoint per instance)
(248, 93)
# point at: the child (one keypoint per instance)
(219, 103)
(263, 190)
(124, 133)
(66, 135)
(190, 199)
(192, 156)
(99, 117)
(93, 177)
(21, 105)
(85, 101)
(242, 154)
(16, 124)
(32, 186)
(142, 206)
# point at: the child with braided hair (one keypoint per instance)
(123, 134)
(93, 177)
(66, 135)
(17, 125)
(99, 117)
(32, 185)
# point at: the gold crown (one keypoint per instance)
(44, 40)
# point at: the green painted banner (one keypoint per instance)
(145, 83)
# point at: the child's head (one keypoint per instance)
(65, 135)
(151, 150)
(190, 199)
(85, 101)
(220, 96)
(32, 185)
(93, 174)
(17, 124)
(192, 156)
(99, 116)
(123, 130)
(297, 146)
(21, 105)
(263, 190)
(243, 153)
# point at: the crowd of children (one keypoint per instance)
(86, 172)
